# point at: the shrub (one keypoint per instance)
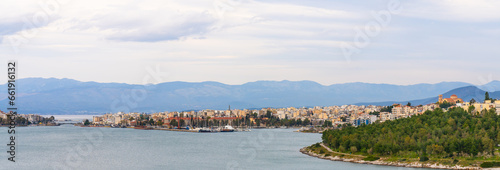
(424, 158)
(341, 149)
(490, 164)
(327, 155)
(354, 149)
(321, 151)
(371, 158)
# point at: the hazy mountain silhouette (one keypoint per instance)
(466, 93)
(66, 96)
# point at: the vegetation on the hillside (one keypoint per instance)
(371, 158)
(445, 105)
(387, 109)
(487, 97)
(437, 134)
(490, 164)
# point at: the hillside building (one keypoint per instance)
(453, 99)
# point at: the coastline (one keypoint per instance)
(307, 151)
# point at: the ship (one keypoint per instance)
(205, 130)
(227, 128)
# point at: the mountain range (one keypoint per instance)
(67, 96)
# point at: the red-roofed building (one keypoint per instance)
(453, 99)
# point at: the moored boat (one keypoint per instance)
(227, 128)
(205, 130)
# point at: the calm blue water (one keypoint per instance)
(70, 147)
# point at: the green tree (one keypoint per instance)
(87, 122)
(269, 114)
(327, 124)
(471, 109)
(182, 122)
(306, 122)
(374, 113)
(409, 104)
(299, 122)
(487, 96)
(354, 149)
(387, 109)
(173, 123)
(445, 105)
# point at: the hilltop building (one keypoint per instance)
(453, 99)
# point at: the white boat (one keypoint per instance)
(227, 128)
(204, 130)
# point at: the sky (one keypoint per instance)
(238, 41)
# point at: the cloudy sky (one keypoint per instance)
(238, 41)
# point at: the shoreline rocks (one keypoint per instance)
(379, 162)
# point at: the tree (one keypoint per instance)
(173, 122)
(472, 101)
(487, 96)
(87, 122)
(374, 113)
(306, 122)
(409, 104)
(471, 109)
(445, 105)
(299, 122)
(387, 109)
(182, 122)
(327, 124)
(354, 149)
(269, 114)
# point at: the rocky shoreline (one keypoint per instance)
(379, 162)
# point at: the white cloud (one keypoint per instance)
(114, 41)
(454, 10)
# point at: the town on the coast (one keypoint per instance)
(26, 120)
(312, 119)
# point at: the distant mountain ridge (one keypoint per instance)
(466, 93)
(67, 96)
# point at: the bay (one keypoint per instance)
(71, 147)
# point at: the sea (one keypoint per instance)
(73, 147)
